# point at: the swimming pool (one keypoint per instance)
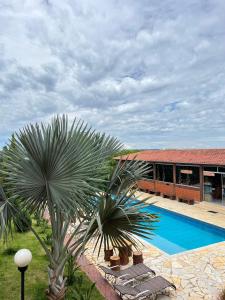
(176, 233)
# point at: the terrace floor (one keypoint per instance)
(198, 274)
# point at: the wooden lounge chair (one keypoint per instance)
(142, 290)
(128, 273)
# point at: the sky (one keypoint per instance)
(149, 72)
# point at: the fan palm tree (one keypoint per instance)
(61, 169)
(118, 216)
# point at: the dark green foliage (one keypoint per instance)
(44, 229)
(126, 151)
(22, 222)
(44, 226)
(79, 290)
(37, 218)
(10, 251)
(79, 294)
(71, 269)
(48, 238)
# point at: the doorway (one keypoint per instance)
(214, 188)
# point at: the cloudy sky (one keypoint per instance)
(149, 72)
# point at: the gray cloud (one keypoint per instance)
(151, 73)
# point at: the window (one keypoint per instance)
(150, 172)
(220, 169)
(164, 173)
(187, 175)
(210, 169)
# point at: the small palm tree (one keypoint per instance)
(118, 217)
(61, 169)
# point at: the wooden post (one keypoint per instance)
(137, 258)
(115, 262)
(123, 254)
(129, 249)
(108, 253)
(201, 183)
(154, 175)
(174, 182)
(154, 171)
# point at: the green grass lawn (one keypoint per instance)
(36, 275)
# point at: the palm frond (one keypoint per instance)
(57, 165)
(7, 213)
(118, 216)
(118, 220)
(126, 174)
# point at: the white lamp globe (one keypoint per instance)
(22, 258)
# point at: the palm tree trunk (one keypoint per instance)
(57, 288)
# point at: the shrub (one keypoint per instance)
(22, 222)
(48, 238)
(71, 268)
(44, 226)
(83, 295)
(37, 218)
(80, 289)
(10, 251)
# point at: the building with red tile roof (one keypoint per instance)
(184, 174)
(186, 156)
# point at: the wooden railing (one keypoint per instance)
(148, 185)
(164, 188)
(188, 192)
(178, 191)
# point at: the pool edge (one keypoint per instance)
(190, 218)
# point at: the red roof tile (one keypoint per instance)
(190, 156)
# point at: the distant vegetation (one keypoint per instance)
(127, 151)
(112, 162)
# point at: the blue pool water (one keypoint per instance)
(176, 233)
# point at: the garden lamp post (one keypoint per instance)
(22, 259)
